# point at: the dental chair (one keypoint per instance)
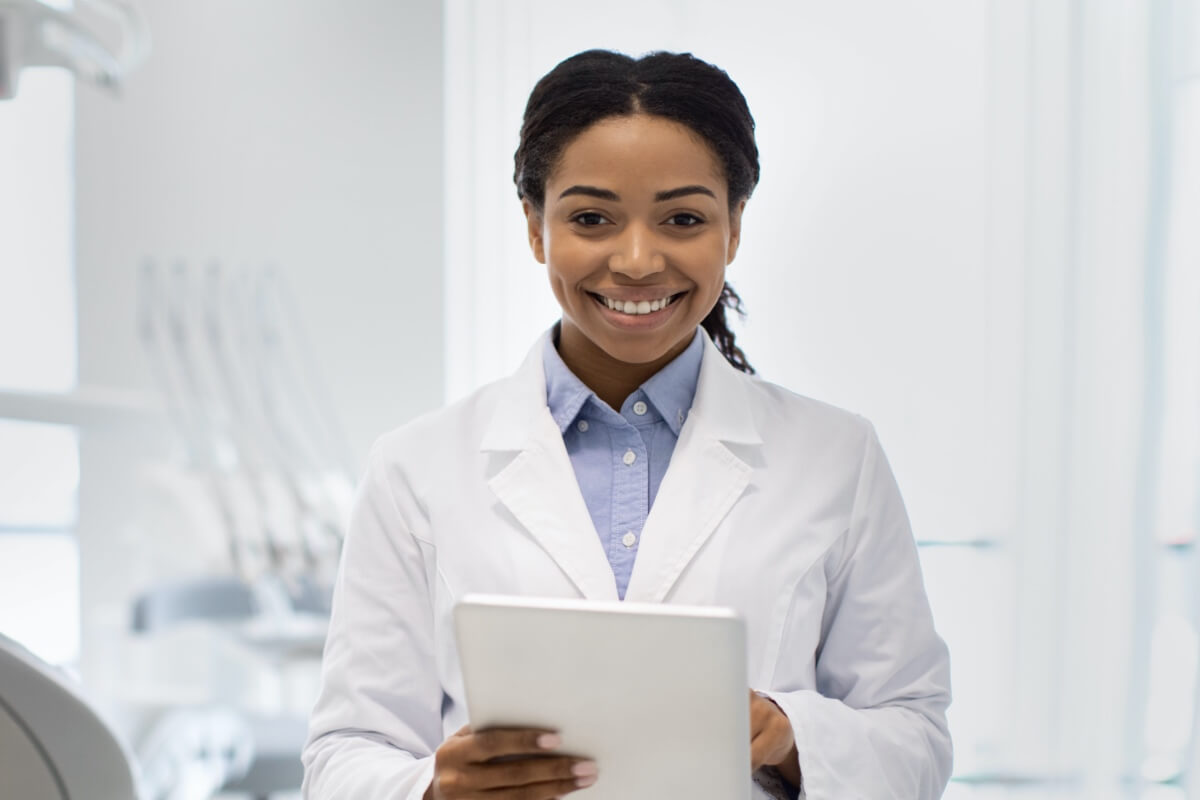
(53, 745)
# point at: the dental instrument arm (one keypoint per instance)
(33, 34)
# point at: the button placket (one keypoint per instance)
(630, 464)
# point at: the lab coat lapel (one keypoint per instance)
(703, 481)
(537, 481)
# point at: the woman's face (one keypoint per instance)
(635, 235)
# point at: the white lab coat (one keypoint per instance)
(775, 505)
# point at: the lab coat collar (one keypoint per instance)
(520, 404)
(721, 404)
(703, 482)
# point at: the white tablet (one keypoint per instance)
(656, 694)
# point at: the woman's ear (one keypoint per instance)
(735, 231)
(536, 227)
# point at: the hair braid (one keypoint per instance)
(718, 329)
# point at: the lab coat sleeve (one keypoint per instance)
(876, 726)
(377, 719)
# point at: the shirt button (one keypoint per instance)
(639, 408)
(582, 426)
(629, 540)
(629, 457)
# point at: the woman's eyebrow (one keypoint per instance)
(590, 191)
(659, 197)
(671, 194)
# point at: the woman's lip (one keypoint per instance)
(641, 295)
(637, 321)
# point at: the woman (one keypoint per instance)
(634, 456)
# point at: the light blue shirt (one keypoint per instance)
(620, 458)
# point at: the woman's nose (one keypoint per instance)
(637, 254)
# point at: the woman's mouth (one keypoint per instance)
(639, 307)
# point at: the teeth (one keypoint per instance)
(637, 309)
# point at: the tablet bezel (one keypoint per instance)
(605, 675)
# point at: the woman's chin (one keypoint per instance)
(649, 350)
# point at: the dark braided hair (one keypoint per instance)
(597, 84)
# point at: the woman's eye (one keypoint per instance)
(684, 220)
(589, 219)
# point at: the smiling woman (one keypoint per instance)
(635, 234)
(634, 457)
(596, 88)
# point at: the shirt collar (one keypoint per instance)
(671, 389)
(565, 393)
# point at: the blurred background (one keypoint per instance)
(293, 227)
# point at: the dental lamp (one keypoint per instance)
(33, 34)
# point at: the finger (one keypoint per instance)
(766, 717)
(498, 742)
(758, 752)
(542, 791)
(460, 784)
(760, 705)
(761, 712)
(770, 747)
(531, 771)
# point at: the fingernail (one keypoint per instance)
(549, 741)
(584, 769)
(585, 781)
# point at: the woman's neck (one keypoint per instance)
(612, 380)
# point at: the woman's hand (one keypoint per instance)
(772, 742)
(506, 764)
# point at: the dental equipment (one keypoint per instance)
(160, 340)
(241, 390)
(53, 744)
(33, 34)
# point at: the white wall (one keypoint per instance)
(301, 134)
